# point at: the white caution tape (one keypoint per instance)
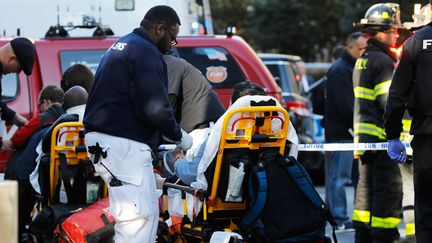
(345, 146)
(327, 146)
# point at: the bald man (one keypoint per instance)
(75, 100)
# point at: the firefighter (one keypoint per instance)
(410, 89)
(379, 194)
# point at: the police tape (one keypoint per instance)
(346, 146)
(327, 146)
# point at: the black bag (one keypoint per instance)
(285, 205)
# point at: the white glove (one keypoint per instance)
(186, 141)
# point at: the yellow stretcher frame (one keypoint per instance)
(73, 156)
(245, 139)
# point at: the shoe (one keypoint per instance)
(345, 227)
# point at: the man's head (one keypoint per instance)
(356, 44)
(246, 88)
(381, 22)
(162, 25)
(75, 96)
(19, 54)
(77, 74)
(49, 95)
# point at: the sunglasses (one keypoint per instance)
(173, 39)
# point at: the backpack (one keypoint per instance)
(285, 207)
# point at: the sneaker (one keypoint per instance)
(345, 227)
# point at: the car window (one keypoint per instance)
(274, 70)
(90, 58)
(10, 86)
(284, 75)
(291, 74)
(215, 63)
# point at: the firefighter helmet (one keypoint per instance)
(381, 17)
(421, 17)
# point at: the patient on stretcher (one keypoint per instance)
(192, 172)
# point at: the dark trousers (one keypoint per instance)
(379, 192)
(422, 157)
(26, 201)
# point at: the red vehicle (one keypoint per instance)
(224, 60)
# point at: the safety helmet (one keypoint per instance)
(381, 17)
(422, 16)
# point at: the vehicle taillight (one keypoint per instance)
(299, 108)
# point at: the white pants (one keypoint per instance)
(134, 204)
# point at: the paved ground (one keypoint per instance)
(343, 237)
(348, 237)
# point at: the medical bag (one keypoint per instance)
(92, 224)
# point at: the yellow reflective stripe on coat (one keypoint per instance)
(405, 136)
(409, 229)
(382, 88)
(369, 129)
(372, 94)
(385, 223)
(361, 216)
(361, 63)
(358, 152)
(364, 93)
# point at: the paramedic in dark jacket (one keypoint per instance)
(126, 113)
(196, 106)
(339, 105)
(378, 202)
(411, 88)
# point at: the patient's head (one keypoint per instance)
(49, 95)
(246, 88)
(75, 96)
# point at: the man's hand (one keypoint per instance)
(186, 141)
(19, 120)
(396, 151)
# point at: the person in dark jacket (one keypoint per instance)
(194, 101)
(126, 114)
(339, 105)
(378, 201)
(410, 89)
(16, 56)
(50, 105)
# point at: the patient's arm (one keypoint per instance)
(187, 170)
